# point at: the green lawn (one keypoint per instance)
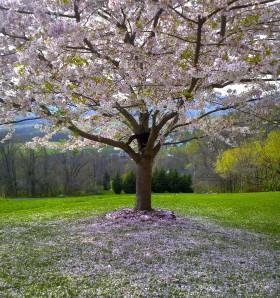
(258, 212)
(59, 247)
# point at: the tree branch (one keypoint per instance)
(22, 11)
(135, 126)
(165, 119)
(224, 84)
(99, 139)
(156, 129)
(252, 4)
(76, 11)
(184, 141)
(94, 51)
(214, 111)
(156, 149)
(220, 9)
(197, 50)
(20, 121)
(182, 15)
(4, 32)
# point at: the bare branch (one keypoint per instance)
(156, 129)
(200, 23)
(20, 121)
(27, 12)
(184, 141)
(4, 32)
(220, 9)
(7, 54)
(94, 51)
(165, 119)
(76, 11)
(223, 26)
(135, 126)
(252, 4)
(182, 15)
(224, 84)
(96, 138)
(156, 149)
(234, 106)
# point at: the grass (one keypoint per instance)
(62, 247)
(259, 212)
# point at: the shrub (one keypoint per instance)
(117, 184)
(159, 181)
(129, 183)
(171, 181)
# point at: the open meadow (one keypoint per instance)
(224, 245)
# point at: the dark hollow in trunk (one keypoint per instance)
(144, 185)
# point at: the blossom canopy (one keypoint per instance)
(107, 70)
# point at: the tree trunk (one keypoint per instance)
(144, 184)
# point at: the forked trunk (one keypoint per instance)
(144, 184)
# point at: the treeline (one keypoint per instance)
(252, 165)
(162, 181)
(44, 172)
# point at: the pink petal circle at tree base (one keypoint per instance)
(131, 215)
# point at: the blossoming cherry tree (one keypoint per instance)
(134, 74)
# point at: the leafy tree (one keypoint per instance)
(106, 181)
(129, 183)
(271, 151)
(117, 183)
(270, 161)
(135, 74)
(256, 162)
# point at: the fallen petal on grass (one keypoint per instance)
(126, 253)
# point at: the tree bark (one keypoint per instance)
(144, 184)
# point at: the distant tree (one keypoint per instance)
(271, 152)
(173, 179)
(155, 179)
(8, 173)
(253, 163)
(185, 183)
(72, 164)
(117, 183)
(159, 181)
(106, 181)
(28, 158)
(129, 183)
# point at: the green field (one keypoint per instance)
(220, 245)
(259, 212)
